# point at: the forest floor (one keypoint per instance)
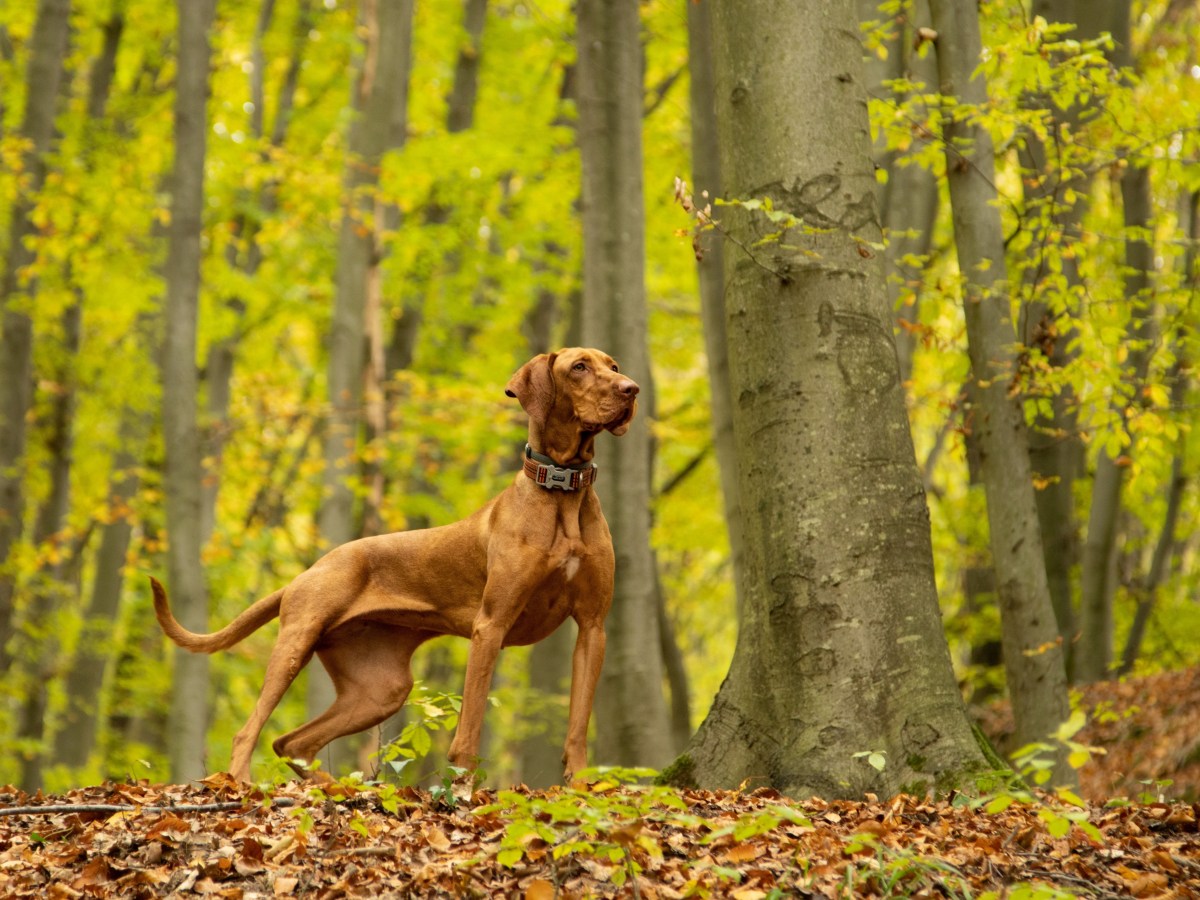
(616, 840)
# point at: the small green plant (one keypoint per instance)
(876, 759)
(895, 872)
(615, 815)
(597, 821)
(443, 793)
(432, 711)
(1154, 790)
(1059, 807)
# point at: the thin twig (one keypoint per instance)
(113, 808)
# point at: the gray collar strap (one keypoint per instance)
(546, 473)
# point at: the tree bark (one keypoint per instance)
(379, 103)
(78, 726)
(706, 178)
(181, 434)
(632, 725)
(52, 585)
(1033, 655)
(47, 55)
(841, 648)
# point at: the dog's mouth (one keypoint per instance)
(617, 422)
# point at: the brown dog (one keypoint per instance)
(509, 574)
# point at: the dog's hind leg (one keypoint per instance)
(370, 666)
(293, 650)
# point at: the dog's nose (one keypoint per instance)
(629, 388)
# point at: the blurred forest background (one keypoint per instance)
(459, 217)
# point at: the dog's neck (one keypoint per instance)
(559, 461)
(567, 448)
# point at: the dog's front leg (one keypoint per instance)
(586, 663)
(496, 616)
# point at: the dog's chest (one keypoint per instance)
(552, 601)
(570, 565)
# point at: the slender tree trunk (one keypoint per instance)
(78, 727)
(382, 83)
(1056, 454)
(1095, 654)
(674, 670)
(706, 175)
(244, 252)
(181, 434)
(51, 586)
(549, 660)
(632, 725)
(47, 53)
(1148, 587)
(1146, 590)
(908, 199)
(1093, 657)
(841, 648)
(75, 730)
(460, 110)
(549, 684)
(1033, 654)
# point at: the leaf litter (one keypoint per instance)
(219, 839)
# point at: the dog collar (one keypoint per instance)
(548, 474)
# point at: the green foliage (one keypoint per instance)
(428, 712)
(605, 816)
(1058, 806)
(898, 872)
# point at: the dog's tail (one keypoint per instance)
(249, 621)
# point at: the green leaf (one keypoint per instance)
(999, 804)
(422, 743)
(510, 856)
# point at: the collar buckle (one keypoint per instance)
(549, 475)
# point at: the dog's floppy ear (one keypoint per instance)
(533, 386)
(621, 425)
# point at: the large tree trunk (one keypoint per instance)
(632, 725)
(379, 103)
(841, 648)
(47, 54)
(1033, 655)
(181, 433)
(706, 175)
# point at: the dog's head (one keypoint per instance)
(577, 388)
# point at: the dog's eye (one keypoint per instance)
(615, 369)
(579, 367)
